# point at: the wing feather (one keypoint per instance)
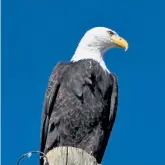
(49, 101)
(113, 101)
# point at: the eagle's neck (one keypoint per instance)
(86, 52)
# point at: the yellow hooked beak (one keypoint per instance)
(120, 42)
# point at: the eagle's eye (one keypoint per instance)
(111, 33)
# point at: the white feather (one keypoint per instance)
(93, 45)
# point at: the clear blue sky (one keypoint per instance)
(39, 33)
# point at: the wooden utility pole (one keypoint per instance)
(70, 156)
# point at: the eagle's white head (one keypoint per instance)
(95, 42)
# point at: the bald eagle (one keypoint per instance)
(81, 99)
